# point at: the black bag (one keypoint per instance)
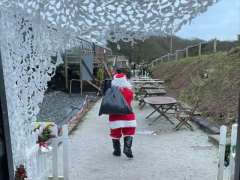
(114, 103)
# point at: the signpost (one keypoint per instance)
(8, 170)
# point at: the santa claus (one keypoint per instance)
(123, 124)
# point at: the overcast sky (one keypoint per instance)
(221, 20)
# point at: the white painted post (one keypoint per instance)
(55, 153)
(65, 152)
(222, 145)
(142, 72)
(44, 158)
(233, 145)
(38, 165)
(41, 156)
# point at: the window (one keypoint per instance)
(119, 64)
(124, 64)
(110, 63)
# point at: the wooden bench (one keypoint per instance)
(142, 89)
(150, 92)
(156, 83)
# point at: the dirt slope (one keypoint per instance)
(215, 79)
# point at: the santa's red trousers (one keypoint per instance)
(117, 133)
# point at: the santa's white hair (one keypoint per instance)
(121, 82)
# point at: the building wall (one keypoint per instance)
(119, 59)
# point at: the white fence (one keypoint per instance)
(222, 147)
(55, 142)
(36, 165)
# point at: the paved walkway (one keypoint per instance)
(159, 152)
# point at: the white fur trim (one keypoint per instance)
(122, 124)
(121, 82)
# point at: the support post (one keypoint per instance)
(168, 56)
(81, 70)
(66, 69)
(199, 49)
(171, 39)
(215, 45)
(105, 65)
(176, 58)
(5, 134)
(65, 153)
(55, 153)
(186, 52)
(115, 64)
(237, 159)
(222, 144)
(232, 150)
(161, 59)
(102, 65)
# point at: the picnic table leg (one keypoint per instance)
(142, 106)
(162, 113)
(183, 122)
(151, 113)
(169, 107)
(142, 103)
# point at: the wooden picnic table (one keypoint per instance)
(148, 82)
(134, 80)
(157, 104)
(141, 83)
(142, 89)
(150, 92)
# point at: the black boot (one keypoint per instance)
(116, 147)
(127, 146)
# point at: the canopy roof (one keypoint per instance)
(110, 19)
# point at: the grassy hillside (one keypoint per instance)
(218, 92)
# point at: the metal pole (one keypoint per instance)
(9, 169)
(81, 70)
(66, 69)
(171, 40)
(237, 161)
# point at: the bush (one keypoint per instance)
(227, 155)
(100, 74)
(201, 73)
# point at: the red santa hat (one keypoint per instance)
(121, 80)
(121, 76)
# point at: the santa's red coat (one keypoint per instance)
(121, 121)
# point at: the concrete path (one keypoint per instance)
(159, 152)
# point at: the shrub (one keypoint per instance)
(100, 74)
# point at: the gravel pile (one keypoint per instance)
(57, 105)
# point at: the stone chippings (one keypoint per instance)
(57, 105)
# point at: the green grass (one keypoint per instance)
(218, 92)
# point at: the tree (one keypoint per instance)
(152, 48)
